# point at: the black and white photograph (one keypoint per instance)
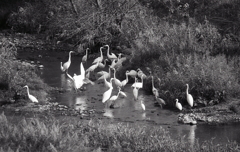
(119, 75)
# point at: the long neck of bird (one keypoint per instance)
(109, 71)
(114, 73)
(126, 76)
(152, 82)
(69, 58)
(28, 91)
(86, 52)
(187, 89)
(101, 52)
(108, 50)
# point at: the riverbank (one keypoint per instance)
(222, 113)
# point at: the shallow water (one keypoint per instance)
(128, 110)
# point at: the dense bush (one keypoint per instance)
(15, 74)
(168, 36)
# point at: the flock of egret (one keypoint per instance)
(116, 62)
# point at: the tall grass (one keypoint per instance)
(34, 134)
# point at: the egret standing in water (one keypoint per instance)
(92, 67)
(124, 82)
(105, 75)
(61, 67)
(138, 84)
(154, 90)
(102, 65)
(189, 97)
(178, 105)
(31, 97)
(135, 91)
(132, 73)
(113, 98)
(112, 55)
(99, 59)
(67, 64)
(117, 81)
(84, 58)
(143, 106)
(107, 94)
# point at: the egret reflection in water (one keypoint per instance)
(80, 103)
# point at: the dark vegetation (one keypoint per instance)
(181, 41)
(37, 134)
(194, 42)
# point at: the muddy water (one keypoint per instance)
(127, 109)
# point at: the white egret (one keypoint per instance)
(123, 93)
(135, 91)
(189, 97)
(132, 73)
(113, 98)
(124, 82)
(117, 81)
(140, 73)
(93, 67)
(154, 90)
(143, 106)
(178, 105)
(84, 58)
(67, 64)
(99, 59)
(82, 70)
(112, 55)
(113, 64)
(102, 65)
(107, 94)
(138, 84)
(31, 97)
(61, 67)
(78, 80)
(161, 102)
(107, 84)
(87, 75)
(105, 75)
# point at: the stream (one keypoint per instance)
(128, 110)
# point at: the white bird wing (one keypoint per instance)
(123, 93)
(106, 95)
(113, 97)
(82, 70)
(137, 85)
(69, 76)
(32, 98)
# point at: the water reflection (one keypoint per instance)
(108, 113)
(80, 103)
(65, 82)
(191, 135)
(126, 108)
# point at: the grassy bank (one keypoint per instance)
(35, 134)
(15, 74)
(194, 42)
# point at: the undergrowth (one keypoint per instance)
(34, 134)
(15, 74)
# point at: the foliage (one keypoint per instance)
(15, 74)
(34, 134)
